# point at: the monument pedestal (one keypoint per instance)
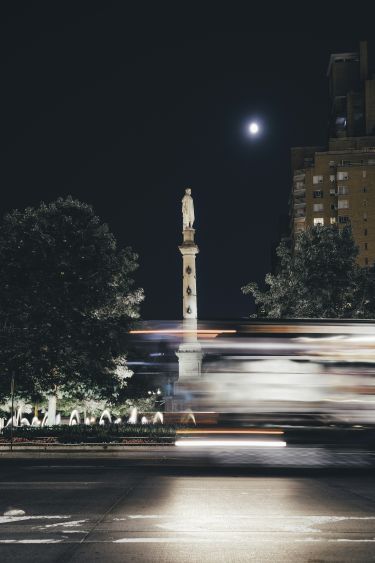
(189, 360)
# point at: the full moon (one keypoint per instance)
(253, 128)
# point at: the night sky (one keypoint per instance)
(117, 111)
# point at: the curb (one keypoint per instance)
(81, 448)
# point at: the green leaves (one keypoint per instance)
(318, 278)
(67, 292)
(80, 434)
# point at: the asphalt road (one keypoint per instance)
(109, 510)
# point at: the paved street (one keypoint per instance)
(108, 510)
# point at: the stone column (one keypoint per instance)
(189, 353)
(189, 250)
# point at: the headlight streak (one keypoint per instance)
(183, 331)
(230, 443)
(266, 375)
(224, 431)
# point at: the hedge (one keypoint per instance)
(82, 433)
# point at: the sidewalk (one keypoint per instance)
(298, 457)
(79, 450)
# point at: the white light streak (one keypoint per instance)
(228, 431)
(231, 443)
(192, 540)
(182, 331)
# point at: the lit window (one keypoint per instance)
(318, 221)
(332, 191)
(300, 185)
(332, 220)
(332, 163)
(342, 190)
(342, 176)
(364, 173)
(332, 178)
(343, 204)
(317, 179)
(318, 207)
(344, 219)
(340, 122)
(317, 194)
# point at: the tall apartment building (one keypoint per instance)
(336, 184)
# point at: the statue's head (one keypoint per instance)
(188, 191)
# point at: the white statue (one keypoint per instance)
(187, 210)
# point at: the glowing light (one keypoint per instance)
(254, 128)
(198, 431)
(230, 443)
(202, 332)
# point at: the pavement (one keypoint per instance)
(93, 510)
(290, 457)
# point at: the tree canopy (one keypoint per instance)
(67, 298)
(317, 278)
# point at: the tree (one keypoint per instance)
(318, 278)
(67, 298)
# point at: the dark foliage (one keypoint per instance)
(317, 278)
(65, 434)
(66, 301)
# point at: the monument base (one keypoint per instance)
(189, 360)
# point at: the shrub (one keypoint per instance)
(81, 433)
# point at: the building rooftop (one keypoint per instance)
(336, 57)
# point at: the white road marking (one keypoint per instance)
(11, 519)
(74, 531)
(191, 539)
(71, 524)
(143, 516)
(295, 524)
(194, 539)
(14, 512)
(287, 523)
(31, 541)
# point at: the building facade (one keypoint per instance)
(336, 184)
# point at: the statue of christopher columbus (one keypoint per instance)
(187, 210)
